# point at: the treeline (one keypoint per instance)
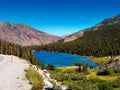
(102, 42)
(17, 50)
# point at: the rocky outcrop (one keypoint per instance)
(73, 36)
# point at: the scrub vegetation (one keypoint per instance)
(102, 60)
(87, 81)
(34, 78)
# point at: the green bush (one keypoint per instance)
(116, 70)
(105, 86)
(50, 67)
(59, 76)
(80, 85)
(103, 72)
(76, 77)
(116, 83)
(35, 79)
(96, 80)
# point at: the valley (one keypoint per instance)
(100, 44)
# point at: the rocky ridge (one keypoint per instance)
(24, 35)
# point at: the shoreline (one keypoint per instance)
(61, 59)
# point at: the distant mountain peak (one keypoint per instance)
(2, 23)
(109, 21)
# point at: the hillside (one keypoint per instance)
(24, 35)
(105, 41)
(107, 22)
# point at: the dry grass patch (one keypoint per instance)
(93, 75)
(98, 60)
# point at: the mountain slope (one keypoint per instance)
(110, 21)
(105, 41)
(24, 35)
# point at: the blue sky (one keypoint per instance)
(58, 17)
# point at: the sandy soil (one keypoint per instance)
(12, 74)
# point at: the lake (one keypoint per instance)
(61, 59)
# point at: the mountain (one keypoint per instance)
(100, 40)
(24, 35)
(58, 37)
(109, 21)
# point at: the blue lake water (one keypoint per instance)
(61, 59)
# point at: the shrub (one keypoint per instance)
(103, 72)
(94, 80)
(35, 79)
(116, 70)
(50, 67)
(76, 77)
(116, 83)
(105, 86)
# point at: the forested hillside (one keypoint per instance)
(17, 50)
(104, 41)
(106, 22)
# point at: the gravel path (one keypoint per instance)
(12, 74)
